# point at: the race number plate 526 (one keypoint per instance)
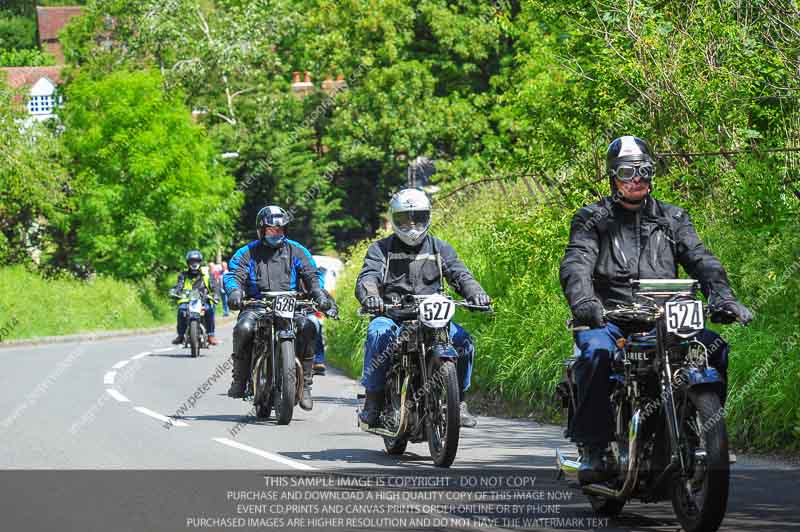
(684, 316)
(284, 306)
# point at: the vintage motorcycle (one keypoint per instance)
(196, 336)
(670, 435)
(276, 375)
(421, 401)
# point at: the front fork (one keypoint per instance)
(677, 442)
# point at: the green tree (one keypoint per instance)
(17, 33)
(153, 186)
(34, 185)
(19, 58)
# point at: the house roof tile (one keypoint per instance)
(52, 19)
(19, 77)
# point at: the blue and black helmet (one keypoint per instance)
(272, 216)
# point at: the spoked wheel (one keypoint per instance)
(262, 398)
(392, 411)
(443, 422)
(701, 500)
(194, 338)
(284, 395)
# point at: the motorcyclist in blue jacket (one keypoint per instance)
(271, 263)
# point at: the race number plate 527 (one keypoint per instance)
(284, 306)
(684, 316)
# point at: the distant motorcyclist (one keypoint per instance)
(194, 279)
(271, 263)
(629, 235)
(411, 261)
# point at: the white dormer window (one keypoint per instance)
(42, 98)
(40, 105)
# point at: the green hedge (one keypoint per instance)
(32, 305)
(515, 248)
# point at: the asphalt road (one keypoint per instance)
(137, 404)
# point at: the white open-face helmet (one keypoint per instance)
(410, 215)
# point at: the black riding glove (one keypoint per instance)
(480, 299)
(373, 305)
(235, 299)
(323, 302)
(729, 311)
(589, 313)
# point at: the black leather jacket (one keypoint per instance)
(391, 267)
(610, 245)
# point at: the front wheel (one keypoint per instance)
(701, 500)
(194, 338)
(263, 394)
(443, 411)
(285, 394)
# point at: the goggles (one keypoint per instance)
(627, 172)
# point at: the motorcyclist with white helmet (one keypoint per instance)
(410, 261)
(272, 263)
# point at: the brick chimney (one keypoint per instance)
(302, 88)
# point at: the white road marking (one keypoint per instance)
(140, 355)
(165, 419)
(120, 364)
(116, 395)
(108, 378)
(265, 454)
(163, 349)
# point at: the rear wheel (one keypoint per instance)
(443, 422)
(284, 395)
(700, 501)
(194, 337)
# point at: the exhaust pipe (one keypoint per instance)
(401, 427)
(570, 467)
(566, 467)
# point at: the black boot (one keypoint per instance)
(240, 369)
(593, 466)
(372, 408)
(307, 402)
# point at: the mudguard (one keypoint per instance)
(286, 335)
(444, 351)
(705, 379)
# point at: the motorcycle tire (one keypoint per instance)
(194, 338)
(443, 424)
(713, 438)
(284, 396)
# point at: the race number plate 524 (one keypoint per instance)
(284, 306)
(684, 316)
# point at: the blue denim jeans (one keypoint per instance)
(319, 349)
(380, 334)
(183, 318)
(592, 422)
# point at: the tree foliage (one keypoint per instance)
(152, 184)
(34, 185)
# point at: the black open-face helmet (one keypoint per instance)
(628, 157)
(193, 260)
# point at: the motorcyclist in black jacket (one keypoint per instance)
(410, 262)
(629, 235)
